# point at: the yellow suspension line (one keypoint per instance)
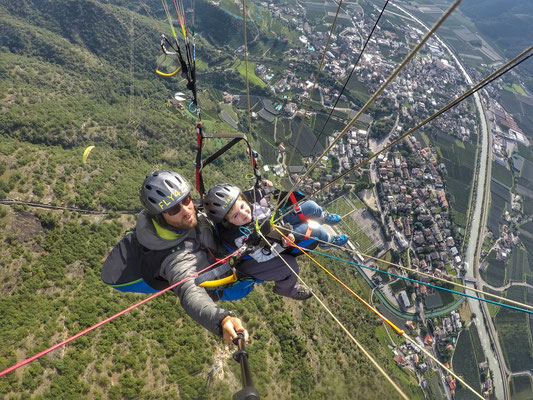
(478, 291)
(181, 18)
(365, 352)
(385, 319)
(167, 12)
(504, 299)
(399, 331)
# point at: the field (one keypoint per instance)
(528, 227)
(466, 363)
(476, 342)
(267, 151)
(344, 207)
(527, 206)
(519, 265)
(527, 173)
(356, 235)
(397, 286)
(252, 77)
(460, 195)
(448, 297)
(231, 112)
(493, 308)
(500, 199)
(462, 47)
(526, 235)
(332, 126)
(502, 174)
(265, 129)
(313, 13)
(522, 112)
(514, 333)
(521, 387)
(357, 203)
(340, 206)
(358, 89)
(435, 388)
(515, 88)
(525, 152)
(283, 129)
(494, 274)
(422, 137)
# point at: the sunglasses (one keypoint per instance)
(177, 208)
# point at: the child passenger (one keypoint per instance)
(235, 213)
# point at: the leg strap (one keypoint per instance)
(297, 208)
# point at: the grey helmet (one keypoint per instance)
(162, 190)
(219, 200)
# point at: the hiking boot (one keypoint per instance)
(337, 240)
(302, 294)
(330, 219)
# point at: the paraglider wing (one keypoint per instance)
(86, 153)
(179, 96)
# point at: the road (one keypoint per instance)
(477, 227)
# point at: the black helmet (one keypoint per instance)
(219, 200)
(162, 190)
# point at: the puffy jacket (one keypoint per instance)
(191, 255)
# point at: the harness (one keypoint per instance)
(225, 282)
(298, 211)
(131, 267)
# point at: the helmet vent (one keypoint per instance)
(162, 189)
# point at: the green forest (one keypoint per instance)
(74, 74)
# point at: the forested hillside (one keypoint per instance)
(78, 73)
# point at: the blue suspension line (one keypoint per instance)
(427, 284)
(245, 231)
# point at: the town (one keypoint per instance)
(419, 208)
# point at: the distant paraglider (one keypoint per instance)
(86, 153)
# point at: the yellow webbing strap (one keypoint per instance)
(220, 282)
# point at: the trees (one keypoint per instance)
(381, 128)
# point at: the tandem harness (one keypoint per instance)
(225, 282)
(131, 267)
